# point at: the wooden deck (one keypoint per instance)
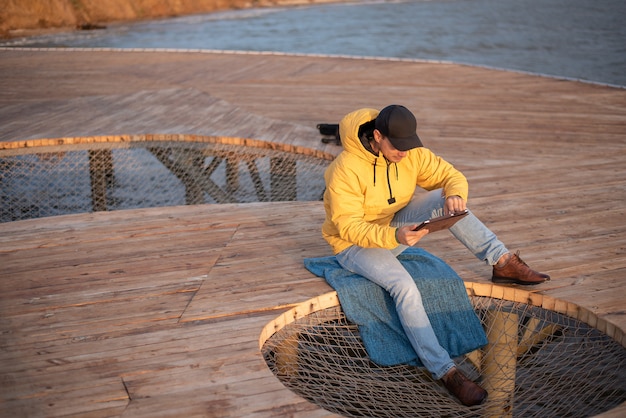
(157, 312)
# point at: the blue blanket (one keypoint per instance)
(370, 307)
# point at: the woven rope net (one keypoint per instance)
(538, 363)
(76, 175)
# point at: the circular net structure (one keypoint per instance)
(545, 358)
(52, 177)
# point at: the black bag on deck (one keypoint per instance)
(329, 130)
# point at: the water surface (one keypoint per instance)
(580, 39)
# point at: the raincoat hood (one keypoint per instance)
(349, 132)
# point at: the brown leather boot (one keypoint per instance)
(516, 271)
(466, 391)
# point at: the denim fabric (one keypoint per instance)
(383, 268)
(470, 231)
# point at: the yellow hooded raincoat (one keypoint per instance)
(364, 191)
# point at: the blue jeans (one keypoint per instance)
(383, 268)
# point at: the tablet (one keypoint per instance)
(442, 222)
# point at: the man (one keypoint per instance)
(372, 209)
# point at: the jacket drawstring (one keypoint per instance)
(375, 159)
(391, 199)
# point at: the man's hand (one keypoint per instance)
(454, 204)
(407, 236)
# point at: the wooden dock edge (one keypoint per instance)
(18, 147)
(513, 294)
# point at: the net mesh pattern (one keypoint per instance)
(104, 176)
(538, 363)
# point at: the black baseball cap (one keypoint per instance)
(398, 124)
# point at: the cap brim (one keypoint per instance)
(405, 144)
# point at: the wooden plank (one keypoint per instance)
(221, 402)
(85, 393)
